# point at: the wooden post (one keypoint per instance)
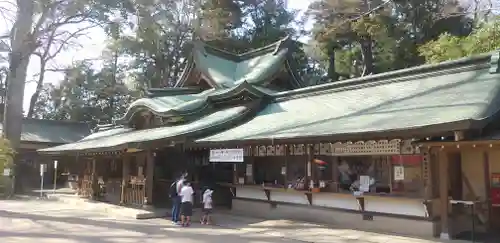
(95, 184)
(443, 194)
(487, 182)
(235, 174)
(307, 153)
(125, 176)
(285, 176)
(335, 173)
(150, 164)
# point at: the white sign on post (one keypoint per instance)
(226, 155)
(55, 164)
(43, 169)
(6, 172)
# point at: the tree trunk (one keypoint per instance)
(366, 49)
(39, 86)
(22, 46)
(332, 72)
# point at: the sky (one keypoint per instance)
(89, 47)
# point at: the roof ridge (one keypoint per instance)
(395, 76)
(243, 56)
(55, 121)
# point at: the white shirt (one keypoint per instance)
(186, 194)
(179, 185)
(207, 198)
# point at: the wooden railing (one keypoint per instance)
(85, 188)
(135, 191)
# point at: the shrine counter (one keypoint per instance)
(367, 203)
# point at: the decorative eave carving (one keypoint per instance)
(370, 147)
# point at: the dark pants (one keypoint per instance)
(187, 209)
(176, 208)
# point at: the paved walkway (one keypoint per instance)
(88, 221)
(55, 222)
(307, 232)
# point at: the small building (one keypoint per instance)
(40, 134)
(365, 153)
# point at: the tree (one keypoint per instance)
(6, 160)
(37, 26)
(447, 47)
(360, 37)
(157, 41)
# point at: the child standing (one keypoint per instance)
(186, 194)
(207, 206)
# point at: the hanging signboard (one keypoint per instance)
(382, 147)
(226, 155)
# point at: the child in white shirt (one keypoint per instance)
(207, 206)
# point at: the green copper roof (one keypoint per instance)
(121, 138)
(224, 69)
(188, 104)
(50, 131)
(229, 73)
(461, 91)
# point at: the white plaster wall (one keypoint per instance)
(382, 224)
(252, 193)
(410, 207)
(332, 200)
(289, 197)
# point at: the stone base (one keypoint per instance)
(444, 236)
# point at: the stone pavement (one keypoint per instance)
(307, 232)
(43, 221)
(289, 231)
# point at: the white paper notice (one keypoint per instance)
(6, 172)
(399, 173)
(283, 170)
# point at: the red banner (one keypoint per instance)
(407, 159)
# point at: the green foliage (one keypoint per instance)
(6, 154)
(448, 47)
(388, 37)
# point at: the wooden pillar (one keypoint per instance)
(308, 156)
(286, 152)
(150, 165)
(249, 167)
(94, 183)
(335, 173)
(125, 176)
(443, 194)
(427, 173)
(487, 185)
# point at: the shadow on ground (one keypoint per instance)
(75, 229)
